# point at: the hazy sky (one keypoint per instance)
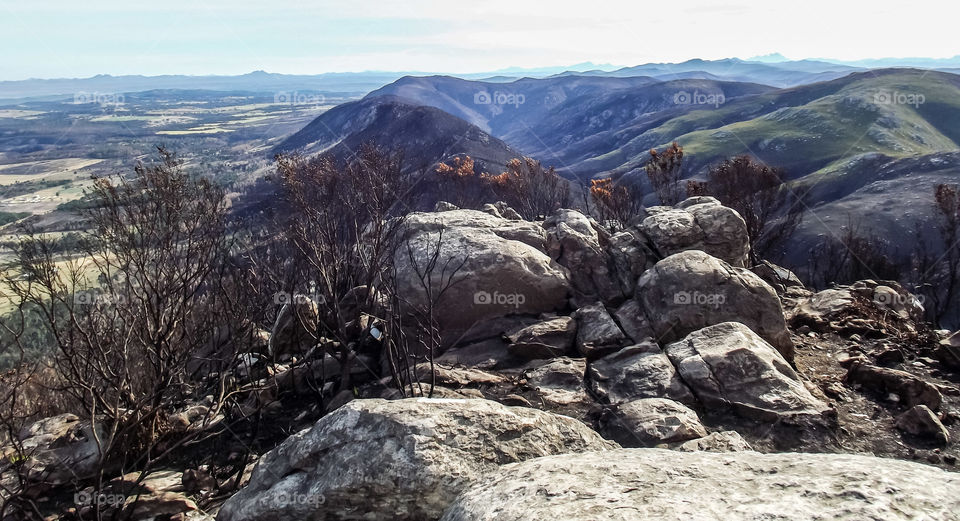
(78, 38)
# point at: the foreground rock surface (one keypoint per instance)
(655, 484)
(404, 459)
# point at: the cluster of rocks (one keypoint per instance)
(655, 324)
(585, 373)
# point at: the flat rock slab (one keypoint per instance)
(657, 484)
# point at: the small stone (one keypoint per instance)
(515, 400)
(890, 358)
(921, 421)
(834, 390)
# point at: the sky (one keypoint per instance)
(60, 38)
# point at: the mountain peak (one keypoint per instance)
(773, 57)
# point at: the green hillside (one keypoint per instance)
(895, 112)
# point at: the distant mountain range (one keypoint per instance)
(590, 125)
(773, 70)
(871, 143)
(777, 74)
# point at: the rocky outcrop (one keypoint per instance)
(547, 339)
(500, 267)
(635, 372)
(656, 484)
(729, 366)
(865, 306)
(634, 323)
(398, 460)
(559, 382)
(574, 242)
(597, 333)
(699, 223)
(649, 422)
(692, 290)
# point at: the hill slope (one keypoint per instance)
(896, 112)
(425, 133)
(499, 107)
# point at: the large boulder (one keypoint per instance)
(649, 422)
(692, 290)
(657, 484)
(398, 460)
(730, 366)
(635, 372)
(493, 267)
(575, 243)
(699, 223)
